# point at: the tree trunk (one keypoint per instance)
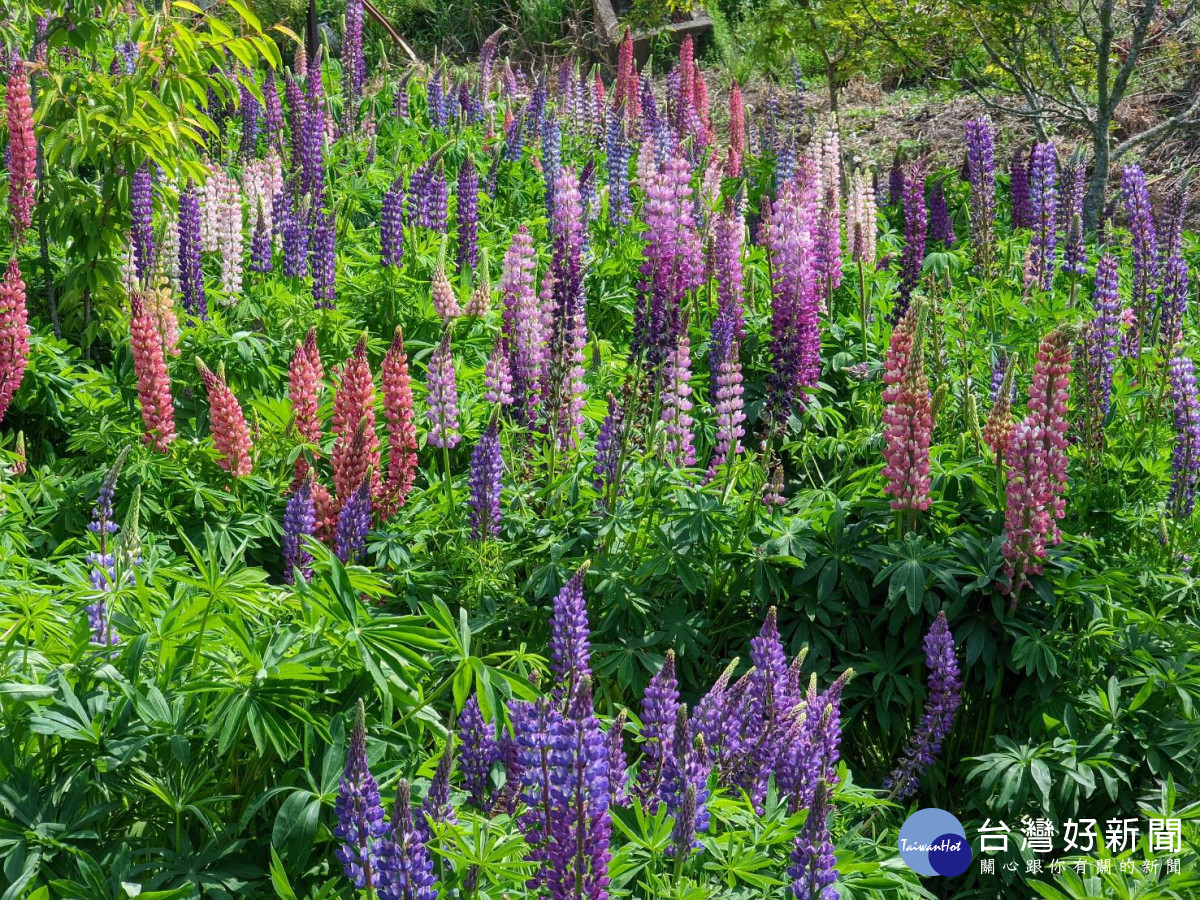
(1093, 202)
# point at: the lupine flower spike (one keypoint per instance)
(14, 334)
(154, 384)
(360, 817)
(230, 433)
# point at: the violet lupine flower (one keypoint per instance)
(1174, 215)
(514, 137)
(941, 703)
(354, 67)
(1022, 206)
(293, 235)
(1173, 300)
(1097, 350)
(468, 216)
(570, 645)
(251, 113)
(676, 415)
(405, 867)
(660, 708)
(999, 370)
(1185, 463)
(400, 98)
(323, 260)
(1144, 251)
(981, 172)
(795, 329)
(726, 389)
(618, 776)
(103, 575)
(768, 679)
(353, 523)
(486, 469)
(896, 180)
(391, 225)
(293, 95)
(274, 111)
(1074, 185)
(312, 151)
(916, 218)
(731, 292)
(524, 330)
(813, 866)
(141, 204)
(607, 466)
(479, 751)
(442, 397)
(497, 376)
(260, 244)
(436, 807)
(684, 788)
(1043, 174)
(551, 160)
(941, 228)
(568, 332)
(299, 519)
(360, 819)
(435, 95)
(191, 277)
(429, 192)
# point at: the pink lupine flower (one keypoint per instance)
(304, 390)
(22, 149)
(442, 397)
(154, 384)
(354, 404)
(737, 131)
(908, 417)
(444, 299)
(160, 303)
(230, 433)
(401, 425)
(677, 404)
(14, 334)
(497, 376)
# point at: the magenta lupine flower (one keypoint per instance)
(941, 228)
(525, 332)
(981, 172)
(324, 260)
(479, 751)
(1022, 206)
(813, 866)
(1037, 465)
(442, 397)
(727, 251)
(191, 278)
(405, 868)
(487, 466)
(1185, 463)
(795, 330)
(568, 331)
(1074, 186)
(1043, 176)
(916, 217)
(354, 67)
(1173, 300)
(353, 523)
(907, 417)
(660, 708)
(570, 645)
(360, 819)
(1145, 252)
(299, 519)
(141, 208)
(941, 703)
(468, 216)
(1097, 349)
(676, 412)
(726, 390)
(391, 225)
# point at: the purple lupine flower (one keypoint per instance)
(813, 866)
(141, 208)
(1185, 463)
(551, 160)
(260, 244)
(618, 765)
(525, 332)
(896, 180)
(1174, 215)
(400, 98)
(660, 708)
(486, 469)
(1145, 252)
(293, 94)
(731, 293)
(274, 111)
(915, 223)
(468, 216)
(1000, 368)
(1173, 300)
(568, 330)
(497, 375)
(441, 397)
(360, 820)
(609, 442)
(587, 201)
(726, 390)
(191, 277)
(251, 114)
(293, 235)
(514, 138)
(714, 719)
(1022, 207)
(795, 329)
(941, 227)
(323, 260)
(354, 67)
(616, 150)
(528, 764)
(353, 523)
(435, 90)
(103, 575)
(312, 150)
(981, 172)
(578, 821)
(436, 807)
(676, 415)
(570, 645)
(684, 788)
(405, 868)
(299, 519)
(391, 225)
(429, 192)
(479, 751)
(1043, 174)
(768, 680)
(1074, 186)
(945, 695)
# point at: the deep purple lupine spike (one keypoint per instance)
(609, 442)
(1043, 190)
(354, 67)
(468, 216)
(486, 470)
(1074, 186)
(570, 643)
(727, 250)
(360, 820)
(1144, 252)
(620, 206)
(916, 216)
(813, 866)
(551, 160)
(941, 704)
(251, 115)
(714, 719)
(260, 244)
(684, 787)
(324, 260)
(1185, 463)
(312, 151)
(1173, 300)
(768, 678)
(1174, 214)
(400, 98)
(293, 235)
(141, 203)
(191, 277)
(274, 111)
(299, 519)
(1022, 208)
(941, 228)
(660, 708)
(405, 867)
(981, 169)
(436, 808)
(391, 225)
(353, 523)
(1096, 351)
(479, 751)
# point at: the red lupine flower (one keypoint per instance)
(304, 388)
(154, 384)
(353, 404)
(22, 164)
(908, 417)
(230, 433)
(401, 426)
(327, 513)
(737, 131)
(14, 334)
